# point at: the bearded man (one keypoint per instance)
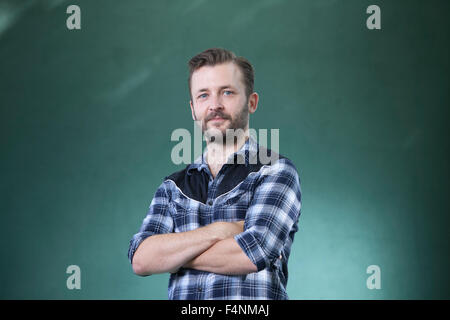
(224, 225)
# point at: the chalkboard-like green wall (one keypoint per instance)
(86, 117)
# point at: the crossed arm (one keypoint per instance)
(271, 217)
(211, 248)
(225, 257)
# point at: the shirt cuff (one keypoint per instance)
(252, 249)
(135, 242)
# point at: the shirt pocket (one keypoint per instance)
(233, 206)
(187, 214)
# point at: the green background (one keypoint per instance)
(86, 118)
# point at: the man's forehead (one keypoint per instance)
(216, 76)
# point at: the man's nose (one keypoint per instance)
(216, 103)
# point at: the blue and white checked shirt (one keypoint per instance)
(265, 194)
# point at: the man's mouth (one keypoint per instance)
(217, 119)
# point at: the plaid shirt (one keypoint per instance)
(266, 196)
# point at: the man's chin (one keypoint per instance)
(220, 135)
(217, 126)
(217, 133)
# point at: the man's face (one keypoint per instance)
(218, 98)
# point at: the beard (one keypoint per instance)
(230, 133)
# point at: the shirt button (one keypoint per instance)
(199, 289)
(210, 202)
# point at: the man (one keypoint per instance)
(223, 226)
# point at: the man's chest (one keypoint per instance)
(189, 213)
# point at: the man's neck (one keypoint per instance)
(218, 153)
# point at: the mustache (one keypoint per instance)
(214, 114)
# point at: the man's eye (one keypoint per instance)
(202, 95)
(228, 92)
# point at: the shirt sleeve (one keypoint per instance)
(272, 214)
(157, 221)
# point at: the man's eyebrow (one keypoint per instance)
(220, 88)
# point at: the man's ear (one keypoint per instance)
(253, 102)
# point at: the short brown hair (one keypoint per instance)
(214, 56)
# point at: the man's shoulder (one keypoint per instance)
(178, 175)
(273, 162)
(267, 161)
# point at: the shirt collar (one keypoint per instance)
(245, 155)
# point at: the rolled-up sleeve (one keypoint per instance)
(157, 221)
(272, 214)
